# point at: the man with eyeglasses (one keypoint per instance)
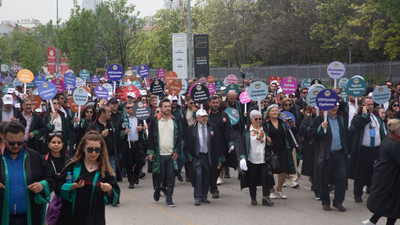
(26, 179)
(35, 127)
(303, 93)
(131, 130)
(368, 133)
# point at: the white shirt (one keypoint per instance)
(57, 124)
(133, 134)
(166, 136)
(200, 133)
(352, 110)
(257, 149)
(6, 116)
(367, 138)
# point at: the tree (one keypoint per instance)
(28, 54)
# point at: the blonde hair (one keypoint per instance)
(394, 126)
(104, 163)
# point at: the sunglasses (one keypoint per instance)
(395, 105)
(305, 92)
(128, 107)
(288, 104)
(89, 111)
(12, 143)
(91, 149)
(157, 111)
(257, 119)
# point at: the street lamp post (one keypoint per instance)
(190, 42)
(105, 51)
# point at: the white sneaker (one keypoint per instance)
(284, 185)
(272, 195)
(220, 181)
(367, 222)
(281, 195)
(294, 185)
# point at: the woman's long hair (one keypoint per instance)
(104, 163)
(48, 140)
(83, 114)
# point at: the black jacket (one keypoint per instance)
(39, 129)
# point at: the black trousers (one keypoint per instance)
(134, 160)
(166, 172)
(203, 169)
(214, 177)
(254, 172)
(366, 160)
(18, 219)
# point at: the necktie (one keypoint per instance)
(372, 132)
(203, 132)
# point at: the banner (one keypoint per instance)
(63, 63)
(179, 55)
(201, 56)
(51, 60)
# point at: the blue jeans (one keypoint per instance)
(113, 164)
(334, 169)
(181, 158)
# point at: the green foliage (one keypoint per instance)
(28, 54)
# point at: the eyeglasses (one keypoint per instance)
(89, 111)
(395, 105)
(12, 143)
(91, 149)
(305, 92)
(288, 104)
(128, 107)
(257, 119)
(55, 103)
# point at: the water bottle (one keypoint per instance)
(69, 178)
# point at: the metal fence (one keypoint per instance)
(387, 70)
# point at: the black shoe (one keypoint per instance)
(267, 202)
(197, 202)
(326, 207)
(156, 196)
(142, 175)
(180, 178)
(358, 199)
(215, 195)
(340, 207)
(131, 185)
(169, 202)
(116, 204)
(253, 201)
(204, 200)
(136, 180)
(227, 176)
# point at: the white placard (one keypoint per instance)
(179, 55)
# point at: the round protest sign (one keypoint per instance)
(231, 87)
(381, 95)
(258, 90)
(343, 82)
(17, 82)
(8, 79)
(60, 85)
(231, 79)
(184, 86)
(80, 82)
(306, 83)
(70, 80)
(191, 87)
(38, 80)
(200, 94)
(141, 110)
(74, 107)
(101, 92)
(47, 90)
(95, 79)
(289, 85)
(312, 95)
(143, 71)
(129, 90)
(120, 93)
(326, 99)
(137, 84)
(170, 76)
(343, 94)
(5, 88)
(26, 76)
(273, 78)
(316, 81)
(175, 87)
(80, 96)
(233, 115)
(211, 88)
(244, 97)
(289, 116)
(210, 79)
(203, 80)
(84, 74)
(115, 72)
(224, 82)
(157, 87)
(356, 87)
(30, 85)
(36, 101)
(161, 73)
(316, 85)
(218, 85)
(359, 76)
(108, 87)
(336, 70)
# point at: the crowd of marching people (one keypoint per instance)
(52, 155)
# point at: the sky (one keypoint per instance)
(45, 10)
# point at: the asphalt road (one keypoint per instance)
(233, 207)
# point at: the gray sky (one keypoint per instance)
(45, 10)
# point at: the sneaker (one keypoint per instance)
(253, 201)
(367, 222)
(169, 202)
(284, 185)
(220, 181)
(156, 196)
(272, 195)
(294, 185)
(317, 197)
(179, 176)
(215, 195)
(281, 195)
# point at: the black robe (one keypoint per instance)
(39, 129)
(308, 146)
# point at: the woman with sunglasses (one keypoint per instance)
(88, 117)
(57, 123)
(255, 154)
(392, 109)
(93, 184)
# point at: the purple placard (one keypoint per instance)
(244, 97)
(289, 85)
(203, 80)
(115, 72)
(143, 71)
(326, 99)
(60, 85)
(101, 92)
(95, 79)
(211, 88)
(47, 90)
(161, 73)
